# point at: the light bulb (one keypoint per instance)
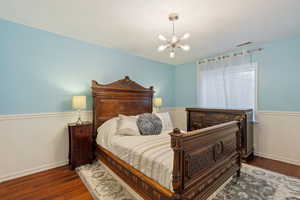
(185, 36)
(172, 54)
(162, 38)
(174, 39)
(162, 47)
(185, 47)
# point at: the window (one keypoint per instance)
(227, 85)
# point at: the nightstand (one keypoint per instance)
(80, 144)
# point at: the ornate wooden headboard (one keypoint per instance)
(120, 97)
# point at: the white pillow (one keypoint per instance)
(127, 126)
(166, 121)
(106, 131)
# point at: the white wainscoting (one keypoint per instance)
(276, 133)
(277, 136)
(34, 142)
(178, 116)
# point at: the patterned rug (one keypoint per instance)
(254, 184)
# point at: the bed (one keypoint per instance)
(201, 160)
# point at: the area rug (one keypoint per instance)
(254, 184)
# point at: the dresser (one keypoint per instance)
(198, 118)
(80, 144)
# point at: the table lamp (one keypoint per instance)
(78, 103)
(157, 103)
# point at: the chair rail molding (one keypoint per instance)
(43, 115)
(276, 113)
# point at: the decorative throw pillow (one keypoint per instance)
(149, 124)
(166, 121)
(106, 131)
(128, 126)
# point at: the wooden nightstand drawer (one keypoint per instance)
(80, 148)
(82, 130)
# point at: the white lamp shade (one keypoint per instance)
(79, 102)
(157, 101)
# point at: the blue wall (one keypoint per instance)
(279, 75)
(41, 71)
(185, 85)
(278, 81)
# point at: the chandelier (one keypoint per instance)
(175, 42)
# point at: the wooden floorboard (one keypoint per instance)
(54, 184)
(277, 166)
(64, 184)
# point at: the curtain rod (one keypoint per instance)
(220, 58)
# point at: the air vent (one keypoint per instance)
(244, 44)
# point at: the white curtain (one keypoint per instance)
(229, 83)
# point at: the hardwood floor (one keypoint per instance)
(64, 184)
(55, 184)
(277, 166)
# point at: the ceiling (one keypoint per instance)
(133, 25)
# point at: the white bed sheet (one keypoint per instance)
(152, 155)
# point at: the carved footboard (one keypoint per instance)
(204, 159)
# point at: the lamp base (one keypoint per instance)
(79, 122)
(156, 109)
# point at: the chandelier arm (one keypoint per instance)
(173, 28)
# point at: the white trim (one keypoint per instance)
(42, 115)
(278, 158)
(198, 84)
(256, 66)
(274, 113)
(33, 170)
(89, 112)
(262, 112)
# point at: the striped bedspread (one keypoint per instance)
(151, 155)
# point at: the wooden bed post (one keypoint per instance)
(239, 146)
(177, 164)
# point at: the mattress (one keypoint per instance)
(152, 155)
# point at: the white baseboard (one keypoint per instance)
(33, 170)
(278, 158)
